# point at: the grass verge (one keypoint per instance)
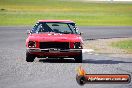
(27, 12)
(125, 44)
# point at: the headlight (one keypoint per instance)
(77, 45)
(31, 44)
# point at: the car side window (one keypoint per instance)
(39, 28)
(35, 28)
(77, 30)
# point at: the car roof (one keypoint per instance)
(63, 21)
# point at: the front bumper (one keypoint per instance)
(52, 52)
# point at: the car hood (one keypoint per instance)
(55, 37)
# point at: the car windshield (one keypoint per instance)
(64, 28)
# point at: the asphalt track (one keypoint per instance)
(15, 72)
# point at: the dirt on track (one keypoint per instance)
(103, 46)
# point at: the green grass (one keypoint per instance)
(125, 44)
(27, 12)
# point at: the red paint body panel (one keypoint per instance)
(63, 21)
(58, 54)
(53, 37)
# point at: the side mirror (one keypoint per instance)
(80, 33)
(28, 32)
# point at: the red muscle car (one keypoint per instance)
(54, 39)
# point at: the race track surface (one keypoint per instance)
(104, 32)
(15, 72)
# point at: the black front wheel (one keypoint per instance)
(29, 57)
(78, 59)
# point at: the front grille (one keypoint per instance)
(60, 45)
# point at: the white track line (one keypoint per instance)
(87, 50)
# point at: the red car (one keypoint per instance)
(54, 39)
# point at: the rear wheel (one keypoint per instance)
(29, 57)
(78, 59)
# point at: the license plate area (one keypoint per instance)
(54, 50)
